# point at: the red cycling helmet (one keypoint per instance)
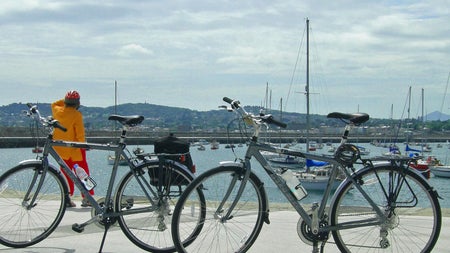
(72, 98)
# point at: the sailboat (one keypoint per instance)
(437, 168)
(316, 175)
(282, 160)
(316, 178)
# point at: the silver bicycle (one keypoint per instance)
(384, 206)
(34, 194)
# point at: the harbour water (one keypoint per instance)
(208, 158)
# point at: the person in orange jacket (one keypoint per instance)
(66, 112)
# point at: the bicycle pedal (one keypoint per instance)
(78, 228)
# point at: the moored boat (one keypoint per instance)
(287, 160)
(437, 168)
(440, 170)
(317, 175)
(37, 149)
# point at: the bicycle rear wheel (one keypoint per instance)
(411, 205)
(203, 225)
(145, 224)
(23, 224)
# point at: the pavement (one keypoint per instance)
(279, 236)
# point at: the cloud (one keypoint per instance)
(132, 50)
(232, 47)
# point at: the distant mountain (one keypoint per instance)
(436, 116)
(182, 119)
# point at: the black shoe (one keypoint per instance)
(70, 203)
(85, 203)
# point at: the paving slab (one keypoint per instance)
(279, 236)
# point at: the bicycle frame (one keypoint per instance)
(318, 210)
(254, 150)
(119, 151)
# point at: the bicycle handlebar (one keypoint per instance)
(50, 121)
(267, 118)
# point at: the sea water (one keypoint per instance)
(208, 158)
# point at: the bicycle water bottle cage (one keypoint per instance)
(133, 120)
(347, 154)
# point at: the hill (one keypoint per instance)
(178, 119)
(436, 116)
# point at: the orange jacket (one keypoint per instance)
(72, 119)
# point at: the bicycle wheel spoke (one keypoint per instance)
(208, 228)
(24, 225)
(147, 203)
(411, 215)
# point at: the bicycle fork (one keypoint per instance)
(237, 177)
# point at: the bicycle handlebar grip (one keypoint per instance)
(58, 125)
(32, 107)
(228, 100)
(271, 120)
(233, 103)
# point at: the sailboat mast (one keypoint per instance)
(409, 102)
(423, 119)
(307, 85)
(115, 102)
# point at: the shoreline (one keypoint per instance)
(137, 138)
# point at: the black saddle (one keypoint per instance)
(132, 120)
(355, 118)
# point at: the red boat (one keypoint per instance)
(36, 150)
(421, 166)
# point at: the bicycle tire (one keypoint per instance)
(22, 226)
(151, 230)
(210, 233)
(415, 215)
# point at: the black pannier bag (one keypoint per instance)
(180, 149)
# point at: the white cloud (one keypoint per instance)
(133, 50)
(238, 46)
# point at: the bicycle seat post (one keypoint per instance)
(123, 135)
(348, 127)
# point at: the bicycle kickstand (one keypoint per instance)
(107, 226)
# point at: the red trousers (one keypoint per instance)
(83, 164)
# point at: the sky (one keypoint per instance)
(363, 55)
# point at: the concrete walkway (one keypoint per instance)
(279, 236)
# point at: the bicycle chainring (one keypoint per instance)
(307, 236)
(101, 223)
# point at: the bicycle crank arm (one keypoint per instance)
(80, 227)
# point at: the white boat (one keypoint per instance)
(331, 149)
(316, 177)
(215, 145)
(286, 159)
(200, 142)
(437, 168)
(363, 150)
(312, 146)
(112, 158)
(440, 170)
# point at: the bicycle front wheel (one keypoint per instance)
(147, 223)
(410, 206)
(24, 223)
(213, 225)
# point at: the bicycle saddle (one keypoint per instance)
(132, 120)
(355, 118)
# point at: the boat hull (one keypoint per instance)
(441, 171)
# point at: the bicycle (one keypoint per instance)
(34, 194)
(382, 207)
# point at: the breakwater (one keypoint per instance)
(149, 139)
